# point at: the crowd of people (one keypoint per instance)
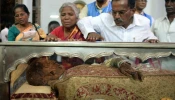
(101, 20)
(113, 21)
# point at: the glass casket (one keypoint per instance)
(102, 84)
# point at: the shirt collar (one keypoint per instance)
(135, 21)
(142, 13)
(165, 18)
(113, 22)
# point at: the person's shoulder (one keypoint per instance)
(105, 15)
(4, 30)
(106, 18)
(160, 19)
(147, 14)
(141, 19)
(37, 25)
(13, 27)
(58, 29)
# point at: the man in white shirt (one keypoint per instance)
(121, 26)
(164, 28)
(96, 8)
(4, 33)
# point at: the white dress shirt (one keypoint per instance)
(4, 34)
(104, 24)
(164, 30)
(142, 13)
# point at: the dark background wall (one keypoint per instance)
(6, 9)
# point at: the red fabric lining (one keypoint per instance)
(33, 95)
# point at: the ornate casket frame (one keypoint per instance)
(14, 53)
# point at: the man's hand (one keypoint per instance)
(52, 38)
(94, 37)
(126, 69)
(151, 41)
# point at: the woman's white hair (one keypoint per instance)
(73, 6)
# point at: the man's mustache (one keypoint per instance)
(118, 20)
(169, 7)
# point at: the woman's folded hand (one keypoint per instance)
(29, 34)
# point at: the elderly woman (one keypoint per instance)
(24, 30)
(69, 15)
(69, 31)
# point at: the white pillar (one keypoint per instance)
(28, 3)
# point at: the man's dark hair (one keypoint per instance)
(131, 3)
(53, 22)
(52, 25)
(24, 7)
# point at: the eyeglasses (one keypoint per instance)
(141, 0)
(21, 14)
(121, 13)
